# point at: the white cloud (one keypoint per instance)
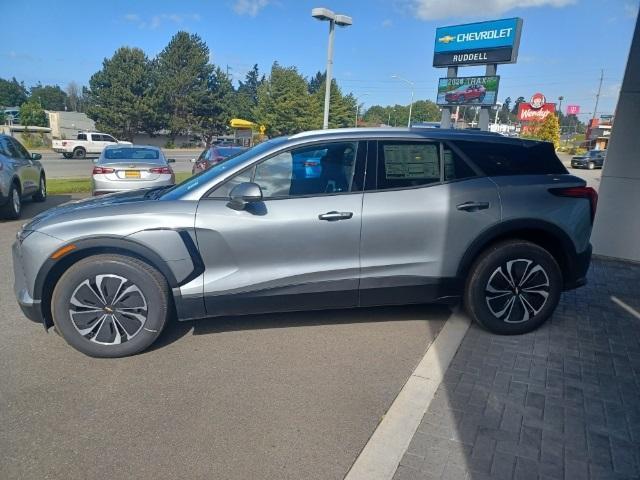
(387, 23)
(249, 7)
(156, 20)
(631, 9)
(438, 9)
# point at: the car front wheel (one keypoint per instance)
(41, 194)
(110, 305)
(513, 287)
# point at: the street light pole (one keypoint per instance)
(411, 87)
(324, 14)
(358, 108)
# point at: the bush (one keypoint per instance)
(35, 140)
(169, 144)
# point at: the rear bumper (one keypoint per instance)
(102, 187)
(578, 267)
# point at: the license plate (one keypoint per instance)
(131, 174)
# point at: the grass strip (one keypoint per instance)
(56, 186)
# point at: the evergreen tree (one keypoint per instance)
(12, 93)
(342, 109)
(118, 92)
(247, 97)
(214, 112)
(182, 73)
(317, 82)
(50, 97)
(284, 103)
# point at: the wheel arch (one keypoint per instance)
(52, 270)
(544, 234)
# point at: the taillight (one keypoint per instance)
(100, 170)
(579, 192)
(161, 170)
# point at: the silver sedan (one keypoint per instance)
(130, 167)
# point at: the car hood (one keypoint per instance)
(73, 206)
(579, 158)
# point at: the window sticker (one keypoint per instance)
(411, 162)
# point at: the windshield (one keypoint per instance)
(207, 176)
(126, 154)
(229, 151)
(596, 153)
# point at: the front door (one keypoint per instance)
(298, 248)
(420, 215)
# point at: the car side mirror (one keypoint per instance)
(193, 160)
(36, 156)
(171, 160)
(244, 194)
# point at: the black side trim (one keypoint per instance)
(401, 290)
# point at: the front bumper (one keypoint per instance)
(29, 306)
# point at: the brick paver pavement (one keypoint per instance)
(562, 402)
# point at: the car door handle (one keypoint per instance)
(473, 206)
(333, 216)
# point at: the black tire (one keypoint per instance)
(67, 155)
(147, 297)
(79, 152)
(489, 306)
(591, 165)
(12, 209)
(41, 195)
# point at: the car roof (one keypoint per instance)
(408, 133)
(124, 145)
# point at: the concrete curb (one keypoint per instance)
(382, 454)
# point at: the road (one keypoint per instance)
(58, 167)
(592, 177)
(283, 396)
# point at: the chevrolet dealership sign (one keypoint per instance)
(496, 41)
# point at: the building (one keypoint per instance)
(598, 133)
(65, 125)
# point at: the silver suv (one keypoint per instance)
(21, 176)
(325, 219)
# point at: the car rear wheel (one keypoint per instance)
(591, 166)
(41, 195)
(110, 305)
(79, 152)
(11, 210)
(513, 287)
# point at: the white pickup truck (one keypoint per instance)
(84, 144)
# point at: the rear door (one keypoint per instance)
(97, 143)
(29, 174)
(422, 208)
(298, 248)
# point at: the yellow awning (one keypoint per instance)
(240, 123)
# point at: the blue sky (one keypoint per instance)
(564, 43)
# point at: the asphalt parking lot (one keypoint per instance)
(282, 396)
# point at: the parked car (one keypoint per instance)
(85, 143)
(123, 167)
(214, 155)
(396, 216)
(466, 93)
(21, 176)
(592, 159)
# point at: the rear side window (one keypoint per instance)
(526, 158)
(406, 164)
(82, 136)
(455, 168)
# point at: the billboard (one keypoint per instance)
(494, 41)
(531, 113)
(468, 91)
(573, 109)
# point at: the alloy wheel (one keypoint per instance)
(517, 290)
(108, 309)
(15, 198)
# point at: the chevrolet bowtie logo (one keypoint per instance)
(446, 39)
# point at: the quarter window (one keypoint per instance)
(406, 164)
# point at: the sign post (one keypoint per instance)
(445, 120)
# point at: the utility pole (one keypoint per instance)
(595, 109)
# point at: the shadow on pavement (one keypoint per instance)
(30, 208)
(175, 330)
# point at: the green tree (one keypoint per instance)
(51, 97)
(425, 111)
(519, 100)
(317, 82)
(549, 130)
(32, 114)
(12, 93)
(118, 96)
(216, 108)
(247, 95)
(284, 104)
(342, 108)
(182, 76)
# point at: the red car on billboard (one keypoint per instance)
(466, 94)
